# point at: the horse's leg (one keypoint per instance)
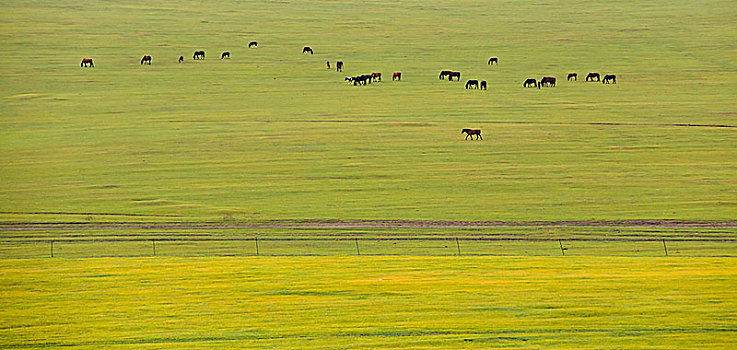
(480, 137)
(467, 135)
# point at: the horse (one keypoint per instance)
(592, 76)
(307, 49)
(473, 82)
(328, 64)
(181, 59)
(375, 76)
(530, 83)
(493, 60)
(339, 66)
(609, 77)
(444, 73)
(86, 61)
(454, 74)
(146, 58)
(397, 76)
(252, 44)
(547, 81)
(225, 54)
(199, 55)
(483, 85)
(573, 76)
(471, 132)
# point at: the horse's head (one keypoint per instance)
(465, 130)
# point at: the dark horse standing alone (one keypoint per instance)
(199, 55)
(493, 60)
(146, 59)
(225, 54)
(547, 81)
(86, 61)
(397, 76)
(483, 85)
(339, 66)
(471, 132)
(573, 76)
(307, 49)
(181, 59)
(593, 76)
(252, 44)
(472, 83)
(530, 83)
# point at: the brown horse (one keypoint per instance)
(444, 73)
(530, 83)
(181, 59)
(593, 76)
(483, 85)
(339, 66)
(472, 83)
(573, 76)
(493, 60)
(87, 61)
(252, 44)
(454, 74)
(307, 49)
(199, 55)
(146, 59)
(375, 76)
(609, 77)
(547, 81)
(471, 132)
(397, 76)
(225, 54)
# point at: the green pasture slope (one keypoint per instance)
(273, 134)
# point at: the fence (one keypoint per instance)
(345, 246)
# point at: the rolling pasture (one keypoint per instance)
(270, 143)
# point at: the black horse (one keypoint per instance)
(472, 83)
(225, 54)
(146, 59)
(454, 74)
(593, 76)
(307, 49)
(339, 66)
(493, 60)
(609, 77)
(444, 73)
(252, 44)
(547, 81)
(530, 83)
(397, 76)
(483, 85)
(471, 132)
(181, 59)
(573, 76)
(199, 55)
(87, 61)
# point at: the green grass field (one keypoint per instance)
(125, 151)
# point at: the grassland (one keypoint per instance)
(272, 134)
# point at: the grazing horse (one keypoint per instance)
(609, 77)
(339, 66)
(547, 81)
(86, 61)
(199, 55)
(471, 132)
(147, 59)
(483, 85)
(444, 73)
(530, 83)
(472, 82)
(225, 54)
(593, 76)
(307, 49)
(375, 76)
(454, 74)
(573, 76)
(252, 44)
(181, 59)
(328, 63)
(493, 60)
(397, 76)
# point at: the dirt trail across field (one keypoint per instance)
(320, 223)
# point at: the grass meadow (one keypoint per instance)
(271, 135)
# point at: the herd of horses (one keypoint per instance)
(550, 81)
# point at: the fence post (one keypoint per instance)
(357, 250)
(153, 243)
(665, 247)
(562, 250)
(52, 249)
(458, 244)
(257, 254)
